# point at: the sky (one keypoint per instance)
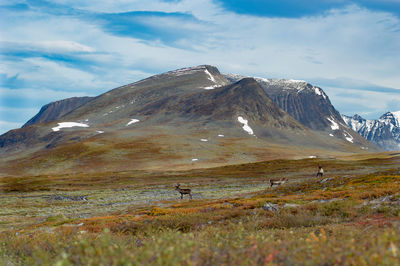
(52, 50)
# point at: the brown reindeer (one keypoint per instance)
(183, 191)
(278, 182)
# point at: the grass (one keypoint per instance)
(243, 243)
(136, 218)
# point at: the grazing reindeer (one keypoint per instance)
(183, 191)
(320, 172)
(277, 182)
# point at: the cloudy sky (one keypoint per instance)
(51, 50)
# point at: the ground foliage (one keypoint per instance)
(351, 216)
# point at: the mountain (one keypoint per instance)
(384, 132)
(55, 110)
(306, 103)
(187, 118)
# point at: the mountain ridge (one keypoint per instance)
(191, 117)
(54, 110)
(384, 132)
(306, 103)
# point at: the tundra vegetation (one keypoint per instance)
(351, 216)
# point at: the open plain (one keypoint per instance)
(350, 216)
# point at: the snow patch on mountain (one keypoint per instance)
(348, 137)
(397, 116)
(245, 125)
(187, 70)
(290, 84)
(262, 79)
(212, 87)
(67, 125)
(352, 123)
(132, 121)
(334, 126)
(391, 118)
(296, 81)
(210, 76)
(319, 92)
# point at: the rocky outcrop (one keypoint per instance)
(309, 105)
(306, 103)
(55, 110)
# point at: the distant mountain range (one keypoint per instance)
(384, 132)
(186, 118)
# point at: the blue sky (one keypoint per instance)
(50, 50)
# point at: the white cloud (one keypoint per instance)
(369, 104)
(59, 46)
(200, 8)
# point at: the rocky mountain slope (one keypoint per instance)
(307, 104)
(55, 110)
(187, 118)
(384, 132)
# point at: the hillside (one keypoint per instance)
(188, 118)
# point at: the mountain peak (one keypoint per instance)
(248, 81)
(385, 132)
(57, 109)
(358, 117)
(194, 69)
(294, 82)
(288, 85)
(391, 118)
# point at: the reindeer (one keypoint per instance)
(320, 172)
(278, 182)
(183, 191)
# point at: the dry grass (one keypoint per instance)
(135, 218)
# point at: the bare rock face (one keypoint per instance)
(384, 132)
(306, 103)
(309, 105)
(55, 110)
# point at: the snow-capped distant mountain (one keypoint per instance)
(385, 132)
(391, 118)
